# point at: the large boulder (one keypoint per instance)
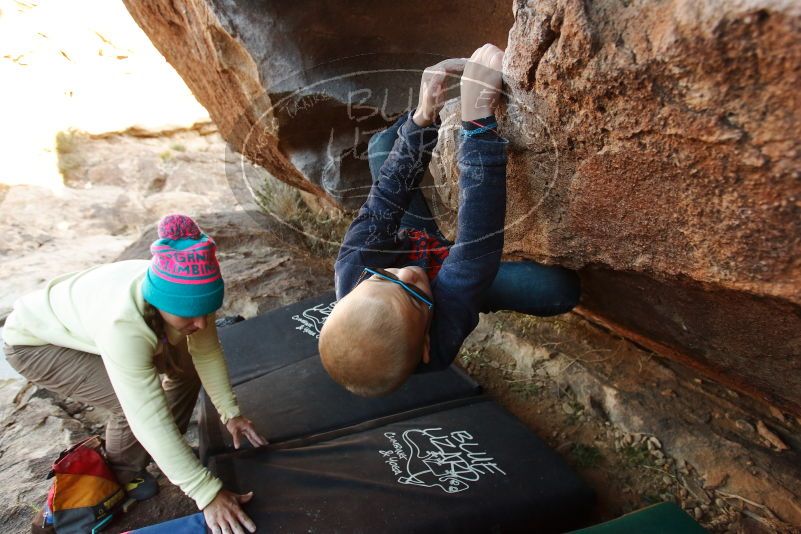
(652, 144)
(649, 148)
(299, 87)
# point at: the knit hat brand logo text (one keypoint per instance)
(186, 264)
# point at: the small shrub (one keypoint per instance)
(471, 356)
(280, 200)
(578, 410)
(586, 456)
(68, 140)
(527, 389)
(636, 456)
(322, 231)
(70, 159)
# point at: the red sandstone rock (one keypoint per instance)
(223, 76)
(653, 144)
(654, 147)
(650, 150)
(299, 87)
(667, 133)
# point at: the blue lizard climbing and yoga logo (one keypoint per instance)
(311, 320)
(433, 458)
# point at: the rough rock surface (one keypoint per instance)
(299, 87)
(114, 185)
(35, 431)
(652, 144)
(652, 147)
(665, 421)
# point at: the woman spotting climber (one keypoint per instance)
(102, 336)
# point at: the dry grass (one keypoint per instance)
(70, 158)
(322, 229)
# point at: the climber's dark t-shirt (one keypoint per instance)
(461, 272)
(424, 250)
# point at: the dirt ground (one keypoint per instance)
(628, 471)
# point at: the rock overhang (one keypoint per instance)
(652, 144)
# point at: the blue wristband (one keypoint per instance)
(478, 131)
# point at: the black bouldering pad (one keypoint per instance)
(466, 468)
(277, 338)
(281, 385)
(300, 399)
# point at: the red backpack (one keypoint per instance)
(84, 493)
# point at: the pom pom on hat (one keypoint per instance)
(184, 275)
(178, 226)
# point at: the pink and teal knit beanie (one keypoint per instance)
(184, 276)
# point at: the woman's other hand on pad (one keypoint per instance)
(224, 515)
(241, 426)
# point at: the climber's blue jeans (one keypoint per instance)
(526, 287)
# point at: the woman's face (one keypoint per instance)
(185, 325)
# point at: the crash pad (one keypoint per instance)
(281, 385)
(300, 399)
(279, 337)
(468, 466)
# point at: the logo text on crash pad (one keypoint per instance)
(432, 458)
(311, 320)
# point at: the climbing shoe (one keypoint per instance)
(143, 487)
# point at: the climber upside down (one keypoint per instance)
(407, 300)
(407, 297)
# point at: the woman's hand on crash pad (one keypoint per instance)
(241, 426)
(224, 515)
